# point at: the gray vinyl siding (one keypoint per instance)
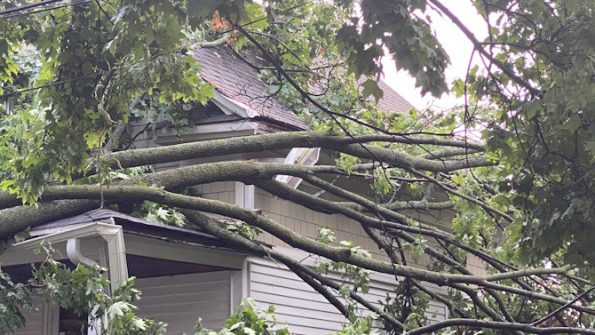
(222, 191)
(303, 310)
(181, 300)
(298, 306)
(34, 320)
(33, 325)
(307, 222)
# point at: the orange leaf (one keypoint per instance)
(217, 21)
(233, 36)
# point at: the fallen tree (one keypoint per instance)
(379, 220)
(64, 150)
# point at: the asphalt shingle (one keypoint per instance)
(237, 80)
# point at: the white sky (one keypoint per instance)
(457, 46)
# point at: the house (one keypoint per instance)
(185, 274)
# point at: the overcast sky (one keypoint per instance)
(457, 46)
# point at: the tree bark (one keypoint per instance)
(267, 142)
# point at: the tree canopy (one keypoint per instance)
(75, 75)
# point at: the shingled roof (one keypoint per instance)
(392, 101)
(236, 79)
(240, 82)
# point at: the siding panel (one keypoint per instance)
(304, 310)
(181, 300)
(33, 319)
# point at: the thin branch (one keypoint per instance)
(497, 325)
(563, 307)
(464, 196)
(205, 223)
(507, 70)
(305, 95)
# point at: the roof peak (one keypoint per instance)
(238, 79)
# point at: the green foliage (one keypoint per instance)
(543, 136)
(382, 184)
(21, 160)
(408, 304)
(243, 229)
(325, 235)
(14, 301)
(360, 326)
(247, 320)
(83, 290)
(156, 213)
(91, 68)
(357, 279)
(407, 37)
(416, 248)
(473, 225)
(346, 162)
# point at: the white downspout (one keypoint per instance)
(116, 254)
(75, 255)
(116, 258)
(73, 251)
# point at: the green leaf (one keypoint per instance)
(371, 88)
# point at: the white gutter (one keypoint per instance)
(113, 236)
(116, 253)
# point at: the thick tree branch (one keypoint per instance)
(260, 143)
(189, 176)
(16, 219)
(401, 223)
(339, 254)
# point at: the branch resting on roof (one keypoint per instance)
(340, 254)
(282, 140)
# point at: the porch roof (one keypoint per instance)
(131, 224)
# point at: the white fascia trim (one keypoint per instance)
(229, 106)
(174, 251)
(62, 234)
(208, 131)
(111, 233)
